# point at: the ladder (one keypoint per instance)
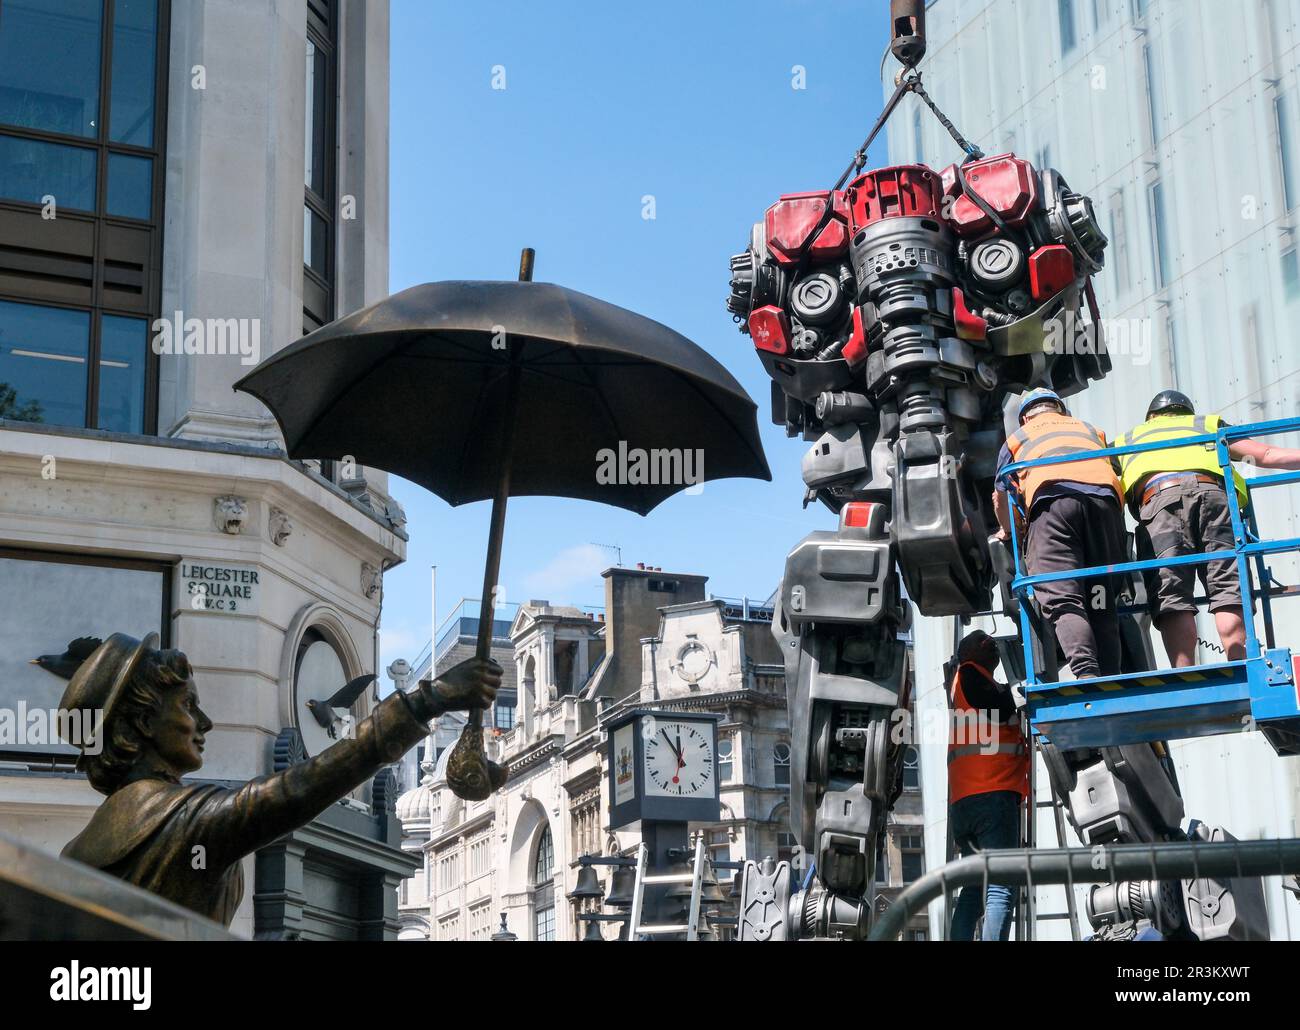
(1058, 818)
(636, 929)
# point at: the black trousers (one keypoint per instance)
(1075, 531)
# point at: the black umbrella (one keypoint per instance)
(480, 390)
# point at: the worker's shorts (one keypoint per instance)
(1187, 519)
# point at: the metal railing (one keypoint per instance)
(1111, 863)
(1245, 530)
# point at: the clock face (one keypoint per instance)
(679, 760)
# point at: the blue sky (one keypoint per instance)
(604, 104)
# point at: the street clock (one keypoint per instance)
(663, 766)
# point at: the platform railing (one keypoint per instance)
(1247, 542)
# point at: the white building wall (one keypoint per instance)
(1197, 101)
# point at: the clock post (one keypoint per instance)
(663, 774)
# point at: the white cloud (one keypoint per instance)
(575, 568)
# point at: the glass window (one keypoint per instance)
(882, 860)
(123, 348)
(785, 847)
(912, 852)
(135, 33)
(130, 186)
(504, 713)
(1160, 243)
(48, 600)
(43, 355)
(316, 134)
(1065, 13)
(725, 750)
(1291, 274)
(544, 888)
(315, 241)
(781, 764)
(82, 135)
(1284, 110)
(49, 65)
(31, 170)
(719, 845)
(911, 769)
(1119, 243)
(544, 861)
(1153, 94)
(545, 923)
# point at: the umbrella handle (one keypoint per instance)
(470, 773)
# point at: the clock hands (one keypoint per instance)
(677, 752)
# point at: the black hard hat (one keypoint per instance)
(1168, 400)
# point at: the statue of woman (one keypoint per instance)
(184, 841)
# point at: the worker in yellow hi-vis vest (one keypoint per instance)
(1177, 496)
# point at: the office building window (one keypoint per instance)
(1160, 242)
(544, 888)
(1118, 259)
(82, 84)
(1065, 14)
(1151, 79)
(911, 849)
(320, 200)
(726, 748)
(916, 137)
(1290, 274)
(781, 764)
(1284, 111)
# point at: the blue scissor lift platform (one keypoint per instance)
(1261, 691)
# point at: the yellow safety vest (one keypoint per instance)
(1134, 468)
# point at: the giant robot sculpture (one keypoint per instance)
(899, 317)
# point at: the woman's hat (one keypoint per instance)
(97, 686)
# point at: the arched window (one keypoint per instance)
(544, 887)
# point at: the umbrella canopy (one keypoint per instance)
(418, 385)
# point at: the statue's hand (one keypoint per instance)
(469, 685)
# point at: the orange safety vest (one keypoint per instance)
(977, 765)
(1051, 435)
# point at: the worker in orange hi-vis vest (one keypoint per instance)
(1075, 522)
(988, 776)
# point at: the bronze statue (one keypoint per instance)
(185, 841)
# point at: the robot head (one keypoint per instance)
(926, 297)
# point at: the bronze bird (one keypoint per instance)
(66, 664)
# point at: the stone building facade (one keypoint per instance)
(661, 643)
(138, 491)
